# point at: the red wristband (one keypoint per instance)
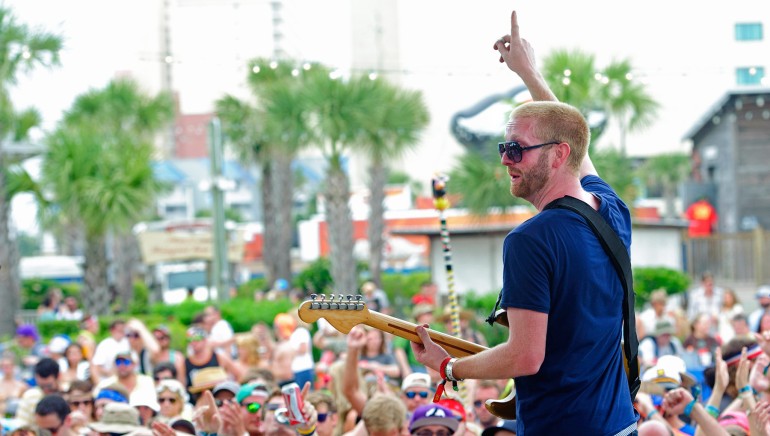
(442, 368)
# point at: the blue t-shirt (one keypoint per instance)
(554, 264)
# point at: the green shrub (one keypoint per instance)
(246, 290)
(482, 305)
(244, 313)
(400, 287)
(141, 302)
(49, 329)
(183, 312)
(648, 279)
(316, 278)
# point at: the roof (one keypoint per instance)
(494, 229)
(717, 107)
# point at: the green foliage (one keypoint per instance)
(648, 279)
(183, 312)
(49, 329)
(401, 287)
(141, 303)
(482, 183)
(617, 170)
(34, 291)
(482, 305)
(246, 290)
(316, 277)
(244, 313)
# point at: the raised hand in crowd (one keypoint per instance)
(351, 384)
(759, 419)
(758, 377)
(232, 419)
(676, 401)
(309, 413)
(206, 416)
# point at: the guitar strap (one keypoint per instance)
(618, 253)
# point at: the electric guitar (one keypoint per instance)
(344, 312)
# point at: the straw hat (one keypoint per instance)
(207, 378)
(117, 418)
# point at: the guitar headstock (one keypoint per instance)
(342, 311)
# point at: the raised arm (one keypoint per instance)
(518, 54)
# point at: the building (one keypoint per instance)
(731, 159)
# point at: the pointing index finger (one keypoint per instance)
(514, 26)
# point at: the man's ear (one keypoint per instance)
(563, 150)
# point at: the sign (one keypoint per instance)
(178, 246)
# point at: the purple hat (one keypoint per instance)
(433, 414)
(27, 330)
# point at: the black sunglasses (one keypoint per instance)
(78, 403)
(413, 394)
(322, 417)
(513, 149)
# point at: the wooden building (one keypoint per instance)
(731, 159)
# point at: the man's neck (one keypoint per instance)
(560, 186)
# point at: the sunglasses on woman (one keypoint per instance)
(78, 403)
(513, 149)
(413, 394)
(171, 400)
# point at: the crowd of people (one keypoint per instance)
(133, 381)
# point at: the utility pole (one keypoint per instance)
(219, 265)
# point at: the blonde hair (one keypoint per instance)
(248, 348)
(383, 413)
(556, 121)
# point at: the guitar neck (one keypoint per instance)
(455, 346)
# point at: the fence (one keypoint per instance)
(742, 258)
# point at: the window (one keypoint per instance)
(749, 75)
(748, 32)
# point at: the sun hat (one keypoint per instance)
(433, 414)
(663, 327)
(182, 425)
(144, 397)
(735, 417)
(416, 379)
(763, 291)
(174, 386)
(117, 418)
(207, 378)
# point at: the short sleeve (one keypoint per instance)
(527, 268)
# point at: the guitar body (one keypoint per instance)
(345, 313)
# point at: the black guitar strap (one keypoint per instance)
(618, 253)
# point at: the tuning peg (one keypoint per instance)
(313, 296)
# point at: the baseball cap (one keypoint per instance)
(28, 330)
(669, 373)
(455, 406)
(763, 291)
(503, 424)
(228, 385)
(249, 389)
(416, 379)
(433, 414)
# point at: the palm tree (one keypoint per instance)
(668, 170)
(99, 173)
(270, 133)
(393, 128)
(340, 110)
(21, 50)
(626, 100)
